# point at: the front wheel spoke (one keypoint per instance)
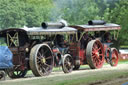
(65, 63)
(67, 66)
(68, 59)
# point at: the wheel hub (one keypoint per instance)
(97, 54)
(43, 60)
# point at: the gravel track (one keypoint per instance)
(86, 71)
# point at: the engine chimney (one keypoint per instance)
(96, 22)
(59, 24)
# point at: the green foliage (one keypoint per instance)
(119, 15)
(17, 13)
(76, 11)
(2, 42)
(10, 15)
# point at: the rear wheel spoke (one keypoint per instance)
(50, 57)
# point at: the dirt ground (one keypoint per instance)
(86, 71)
(122, 80)
(118, 81)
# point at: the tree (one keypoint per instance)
(119, 15)
(10, 15)
(17, 13)
(76, 11)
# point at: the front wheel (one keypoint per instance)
(114, 57)
(67, 63)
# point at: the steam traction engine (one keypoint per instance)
(94, 44)
(55, 44)
(38, 49)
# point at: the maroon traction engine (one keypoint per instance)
(94, 43)
(38, 49)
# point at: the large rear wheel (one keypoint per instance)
(41, 60)
(95, 54)
(114, 57)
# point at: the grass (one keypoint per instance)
(123, 62)
(94, 78)
(124, 46)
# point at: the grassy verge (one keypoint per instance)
(94, 78)
(123, 62)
